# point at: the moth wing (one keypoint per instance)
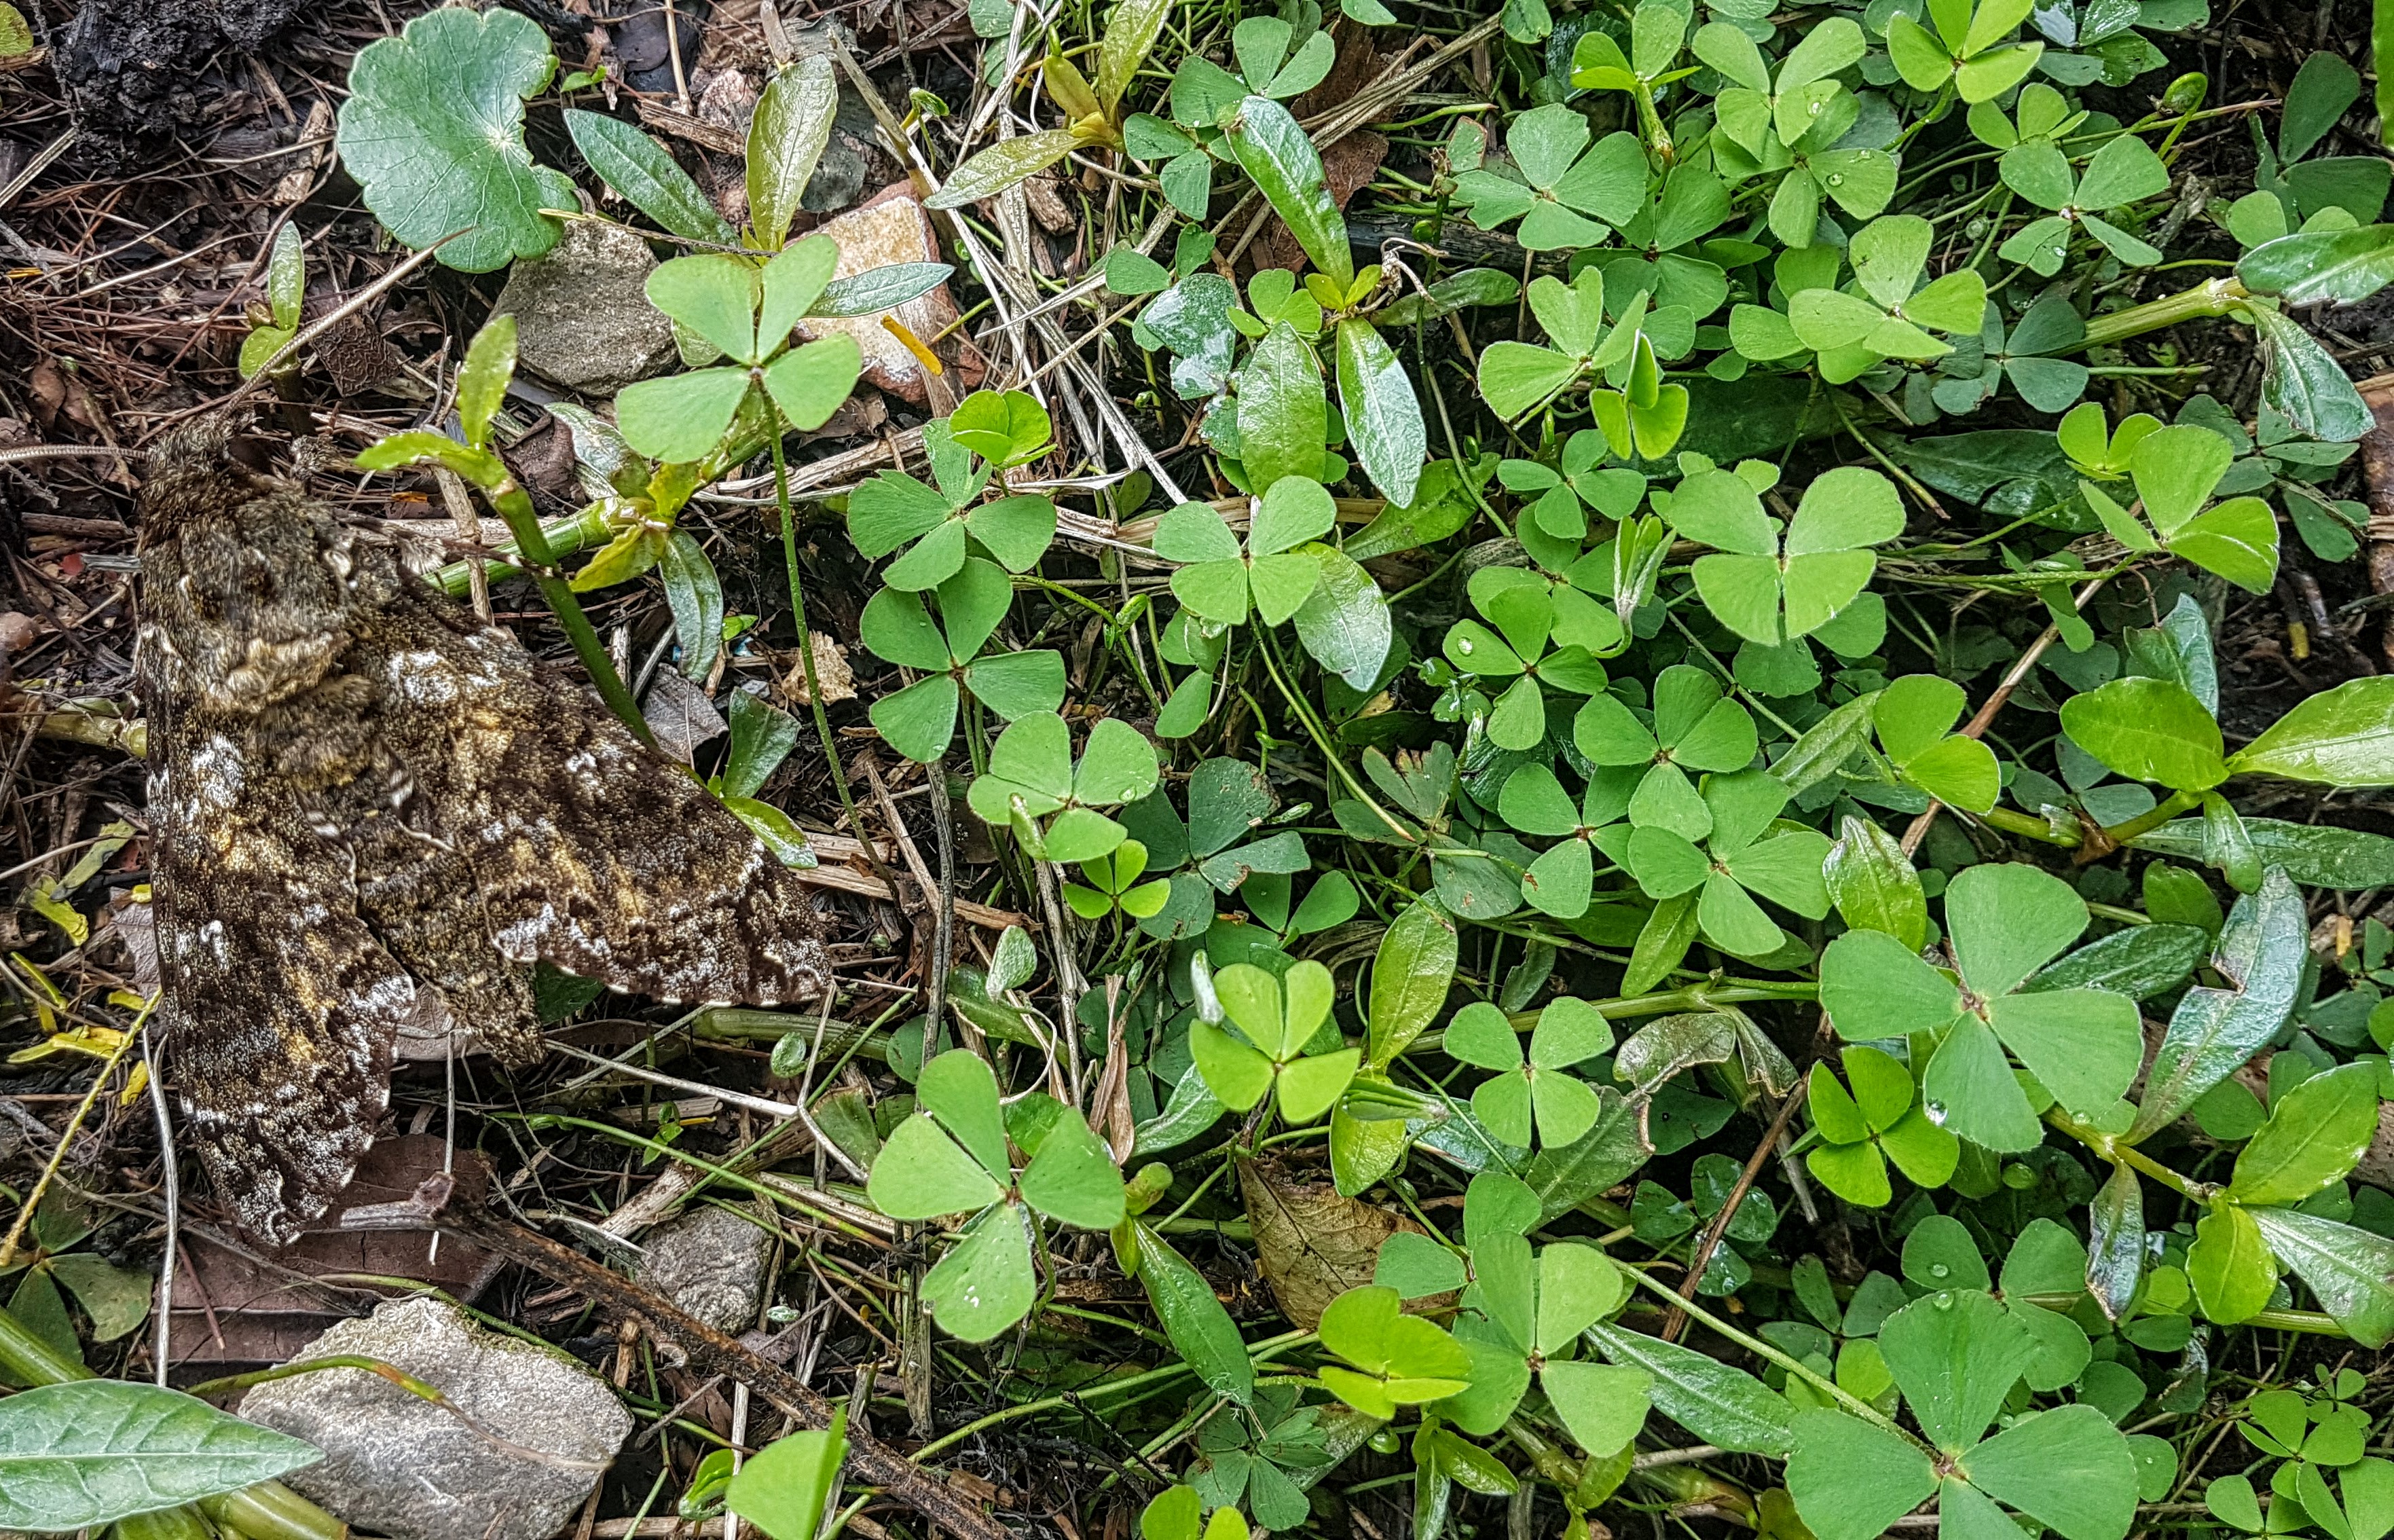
(592, 853)
(278, 1002)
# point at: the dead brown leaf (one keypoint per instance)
(831, 672)
(1314, 1244)
(240, 1311)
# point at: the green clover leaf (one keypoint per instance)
(1956, 1355)
(2125, 171)
(1397, 1360)
(1744, 854)
(2175, 470)
(952, 1157)
(1879, 1119)
(1967, 50)
(1914, 717)
(1853, 331)
(1521, 606)
(1216, 849)
(894, 508)
(1594, 593)
(1535, 1088)
(1770, 590)
(1524, 1315)
(2083, 1046)
(1031, 775)
(1515, 377)
(726, 306)
(1567, 495)
(1565, 197)
(919, 721)
(1116, 885)
(1221, 577)
(1692, 727)
(1561, 881)
(1278, 1017)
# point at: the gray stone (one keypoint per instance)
(711, 1263)
(583, 319)
(548, 1428)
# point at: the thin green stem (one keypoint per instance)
(2111, 1147)
(513, 505)
(2214, 296)
(573, 533)
(807, 641)
(1321, 738)
(1257, 1352)
(1794, 1365)
(2026, 828)
(2169, 808)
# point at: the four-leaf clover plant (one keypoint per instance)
(920, 720)
(1031, 774)
(1221, 577)
(1880, 1120)
(1746, 851)
(1536, 1087)
(952, 1157)
(2004, 922)
(944, 521)
(1278, 1017)
(2175, 470)
(736, 309)
(1768, 588)
(1956, 1355)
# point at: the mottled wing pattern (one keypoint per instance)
(278, 1002)
(591, 851)
(367, 809)
(418, 893)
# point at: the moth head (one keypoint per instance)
(205, 466)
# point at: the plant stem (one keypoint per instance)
(2214, 296)
(1257, 1352)
(1754, 1345)
(272, 1511)
(74, 1125)
(2112, 1149)
(2026, 827)
(391, 1371)
(1321, 736)
(30, 1361)
(2161, 812)
(1693, 998)
(513, 505)
(565, 537)
(806, 654)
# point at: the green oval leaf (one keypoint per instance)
(91, 1452)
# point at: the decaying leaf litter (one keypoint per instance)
(1256, 828)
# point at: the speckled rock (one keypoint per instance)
(407, 1468)
(583, 317)
(711, 1263)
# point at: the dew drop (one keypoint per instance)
(1814, 109)
(1943, 1301)
(1936, 1111)
(1836, 179)
(1462, 645)
(1938, 1270)
(2060, 251)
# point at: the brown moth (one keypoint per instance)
(368, 809)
